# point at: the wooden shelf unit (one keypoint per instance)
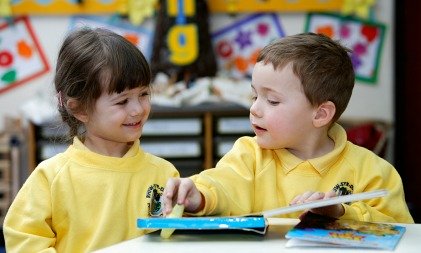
(186, 136)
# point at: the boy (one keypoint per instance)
(301, 85)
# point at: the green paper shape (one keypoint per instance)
(9, 77)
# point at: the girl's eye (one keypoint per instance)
(253, 97)
(271, 102)
(144, 94)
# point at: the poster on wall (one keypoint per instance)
(139, 36)
(21, 57)
(238, 44)
(365, 39)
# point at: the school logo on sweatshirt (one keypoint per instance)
(344, 188)
(154, 194)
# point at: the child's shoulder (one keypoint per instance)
(159, 162)
(50, 167)
(362, 157)
(249, 141)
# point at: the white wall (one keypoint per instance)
(368, 101)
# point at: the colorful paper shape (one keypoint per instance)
(139, 10)
(139, 36)
(21, 57)
(365, 39)
(359, 8)
(237, 45)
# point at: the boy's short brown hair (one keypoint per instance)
(322, 65)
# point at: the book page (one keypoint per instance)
(325, 202)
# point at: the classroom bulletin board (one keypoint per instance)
(57, 7)
(274, 5)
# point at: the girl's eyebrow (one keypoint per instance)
(145, 88)
(117, 96)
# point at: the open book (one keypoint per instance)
(255, 222)
(320, 231)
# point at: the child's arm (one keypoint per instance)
(28, 223)
(184, 192)
(335, 211)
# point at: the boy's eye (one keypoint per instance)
(122, 102)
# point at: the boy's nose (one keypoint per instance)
(254, 109)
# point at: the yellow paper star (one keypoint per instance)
(5, 8)
(360, 8)
(138, 10)
(232, 6)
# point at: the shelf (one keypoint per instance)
(184, 136)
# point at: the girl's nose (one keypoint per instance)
(136, 108)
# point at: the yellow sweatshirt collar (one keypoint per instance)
(81, 154)
(320, 164)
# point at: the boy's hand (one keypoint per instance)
(182, 191)
(335, 211)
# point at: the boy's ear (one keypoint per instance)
(73, 106)
(324, 114)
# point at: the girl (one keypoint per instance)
(90, 196)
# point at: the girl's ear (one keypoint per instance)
(324, 114)
(78, 113)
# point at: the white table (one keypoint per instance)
(273, 241)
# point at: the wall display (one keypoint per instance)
(238, 44)
(365, 39)
(249, 6)
(20, 7)
(139, 36)
(182, 44)
(21, 57)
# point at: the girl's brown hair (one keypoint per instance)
(92, 61)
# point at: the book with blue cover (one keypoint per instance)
(321, 231)
(256, 222)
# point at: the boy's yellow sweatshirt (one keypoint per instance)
(250, 179)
